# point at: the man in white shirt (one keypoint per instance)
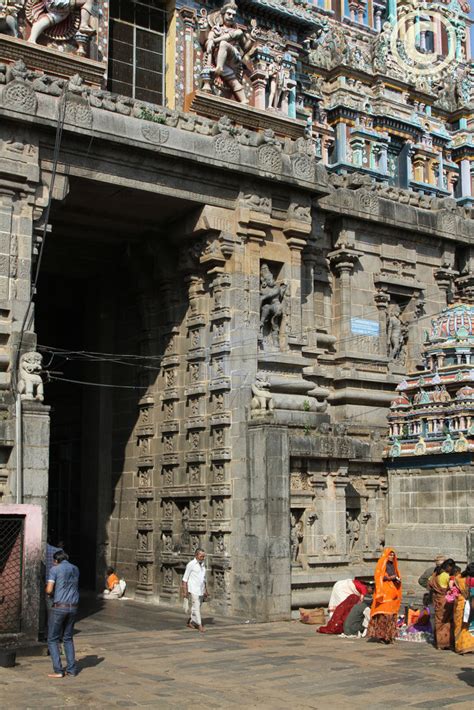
(194, 585)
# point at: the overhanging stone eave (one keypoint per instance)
(114, 138)
(410, 225)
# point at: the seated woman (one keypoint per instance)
(343, 589)
(420, 621)
(357, 620)
(115, 587)
(464, 612)
(335, 624)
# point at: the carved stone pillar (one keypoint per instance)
(445, 277)
(189, 19)
(466, 180)
(382, 302)
(340, 481)
(297, 229)
(376, 516)
(343, 261)
(309, 258)
(419, 167)
(259, 84)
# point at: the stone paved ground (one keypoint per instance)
(135, 656)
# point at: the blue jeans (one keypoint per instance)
(60, 629)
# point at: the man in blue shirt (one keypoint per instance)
(62, 585)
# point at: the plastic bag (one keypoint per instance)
(467, 611)
(186, 605)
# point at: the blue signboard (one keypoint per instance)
(360, 326)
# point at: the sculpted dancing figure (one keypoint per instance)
(225, 46)
(271, 303)
(48, 13)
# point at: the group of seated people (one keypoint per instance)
(446, 616)
(349, 608)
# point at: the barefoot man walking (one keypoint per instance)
(194, 585)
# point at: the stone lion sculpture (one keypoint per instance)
(30, 384)
(262, 399)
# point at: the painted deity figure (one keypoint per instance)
(271, 303)
(225, 46)
(280, 84)
(48, 13)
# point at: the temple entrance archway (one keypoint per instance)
(99, 299)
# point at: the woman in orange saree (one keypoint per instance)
(387, 598)
(464, 621)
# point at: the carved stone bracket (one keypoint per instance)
(344, 259)
(445, 277)
(465, 284)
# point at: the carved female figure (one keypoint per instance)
(271, 306)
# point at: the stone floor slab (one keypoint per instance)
(274, 666)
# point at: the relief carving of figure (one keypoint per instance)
(396, 333)
(296, 537)
(30, 384)
(271, 304)
(220, 545)
(9, 10)
(219, 509)
(280, 84)
(352, 529)
(225, 47)
(46, 14)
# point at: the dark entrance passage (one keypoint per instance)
(90, 326)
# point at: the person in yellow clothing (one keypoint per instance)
(464, 611)
(439, 586)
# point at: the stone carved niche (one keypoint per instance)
(343, 512)
(272, 307)
(397, 333)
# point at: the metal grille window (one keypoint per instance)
(137, 49)
(11, 573)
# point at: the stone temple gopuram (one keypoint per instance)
(224, 232)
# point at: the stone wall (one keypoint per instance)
(236, 430)
(430, 510)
